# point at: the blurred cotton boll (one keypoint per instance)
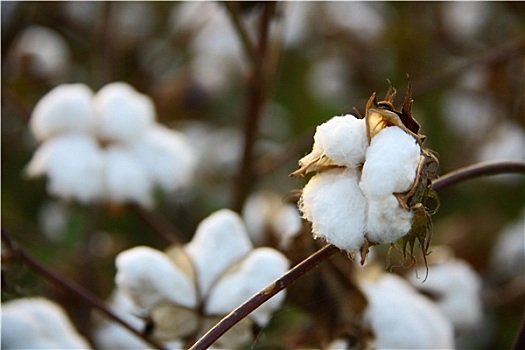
(507, 260)
(265, 214)
(41, 51)
(505, 142)
(401, 318)
(38, 323)
(66, 108)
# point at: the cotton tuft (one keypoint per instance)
(386, 220)
(333, 202)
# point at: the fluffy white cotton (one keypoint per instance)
(220, 241)
(401, 318)
(125, 178)
(74, 165)
(343, 139)
(391, 163)
(38, 323)
(66, 108)
(166, 156)
(457, 290)
(387, 221)
(261, 267)
(333, 202)
(149, 277)
(122, 113)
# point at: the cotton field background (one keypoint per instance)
(146, 154)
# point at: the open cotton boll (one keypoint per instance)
(401, 318)
(149, 277)
(166, 156)
(74, 165)
(125, 178)
(122, 112)
(457, 288)
(386, 220)
(38, 323)
(391, 163)
(66, 108)
(333, 202)
(220, 241)
(343, 139)
(241, 281)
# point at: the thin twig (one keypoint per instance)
(72, 287)
(453, 178)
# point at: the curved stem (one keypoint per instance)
(450, 179)
(74, 288)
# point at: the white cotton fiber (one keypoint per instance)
(401, 318)
(220, 241)
(38, 323)
(391, 163)
(66, 108)
(149, 277)
(387, 221)
(122, 113)
(333, 202)
(125, 178)
(343, 139)
(167, 157)
(260, 267)
(74, 165)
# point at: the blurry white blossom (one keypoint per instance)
(463, 19)
(187, 289)
(401, 318)
(265, 214)
(43, 52)
(38, 323)
(505, 142)
(456, 289)
(352, 198)
(106, 146)
(507, 258)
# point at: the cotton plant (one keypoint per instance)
(372, 181)
(106, 147)
(185, 290)
(38, 323)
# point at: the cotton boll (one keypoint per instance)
(391, 163)
(66, 108)
(457, 288)
(74, 165)
(240, 282)
(122, 113)
(220, 241)
(166, 155)
(149, 277)
(125, 178)
(403, 319)
(38, 323)
(386, 220)
(333, 202)
(343, 139)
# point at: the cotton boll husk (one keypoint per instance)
(166, 155)
(240, 282)
(38, 323)
(401, 318)
(386, 220)
(333, 202)
(74, 165)
(123, 114)
(149, 277)
(66, 108)
(219, 241)
(126, 178)
(343, 139)
(391, 163)
(458, 290)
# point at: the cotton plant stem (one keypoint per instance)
(75, 289)
(450, 179)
